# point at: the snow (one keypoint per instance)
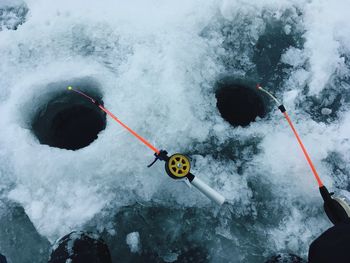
(325, 29)
(133, 241)
(156, 70)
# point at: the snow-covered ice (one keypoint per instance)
(156, 64)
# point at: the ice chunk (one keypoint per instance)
(170, 257)
(326, 111)
(133, 241)
(19, 240)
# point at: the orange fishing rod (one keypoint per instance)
(312, 166)
(143, 140)
(285, 114)
(335, 210)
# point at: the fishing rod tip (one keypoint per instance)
(69, 88)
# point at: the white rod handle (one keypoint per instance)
(208, 191)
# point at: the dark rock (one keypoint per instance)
(80, 247)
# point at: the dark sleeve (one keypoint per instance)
(2, 259)
(332, 246)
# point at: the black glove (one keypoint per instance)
(2, 259)
(333, 246)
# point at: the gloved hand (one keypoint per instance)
(332, 246)
(2, 259)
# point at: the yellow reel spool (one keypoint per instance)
(178, 166)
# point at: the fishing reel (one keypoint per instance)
(178, 166)
(337, 208)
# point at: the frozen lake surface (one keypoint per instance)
(159, 66)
